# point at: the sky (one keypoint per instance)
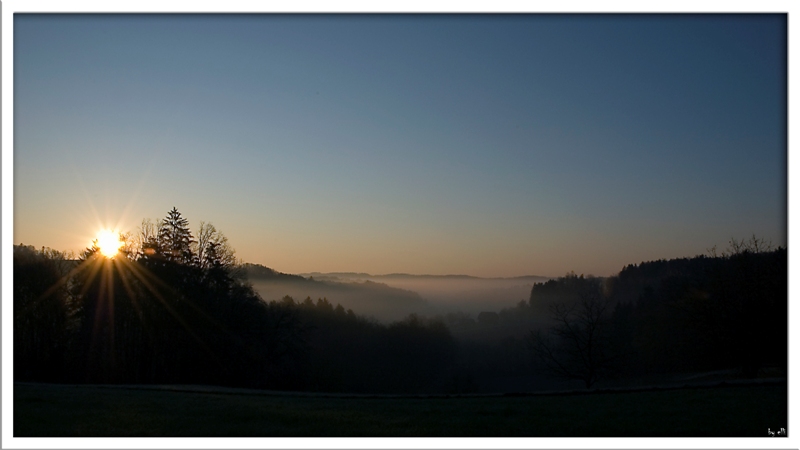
(487, 145)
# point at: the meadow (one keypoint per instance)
(727, 410)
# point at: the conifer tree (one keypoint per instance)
(174, 238)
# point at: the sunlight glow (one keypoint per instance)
(109, 243)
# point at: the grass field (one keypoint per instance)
(44, 410)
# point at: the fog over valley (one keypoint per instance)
(391, 297)
(451, 292)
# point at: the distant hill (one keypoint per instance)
(259, 272)
(336, 275)
(393, 296)
(362, 275)
(364, 297)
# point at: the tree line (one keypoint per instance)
(176, 308)
(721, 311)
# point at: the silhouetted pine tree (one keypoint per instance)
(174, 238)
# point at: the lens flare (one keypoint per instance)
(109, 243)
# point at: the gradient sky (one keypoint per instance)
(497, 145)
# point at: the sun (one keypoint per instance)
(109, 243)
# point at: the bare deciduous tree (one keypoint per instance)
(146, 241)
(576, 347)
(212, 247)
(737, 247)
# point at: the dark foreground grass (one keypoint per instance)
(63, 410)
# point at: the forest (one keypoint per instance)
(177, 307)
